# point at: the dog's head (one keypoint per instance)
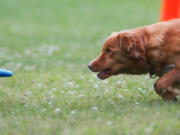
(122, 52)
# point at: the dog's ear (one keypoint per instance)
(132, 45)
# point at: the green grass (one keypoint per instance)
(48, 44)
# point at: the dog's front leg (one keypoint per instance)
(164, 86)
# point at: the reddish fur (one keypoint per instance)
(144, 50)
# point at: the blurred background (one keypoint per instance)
(45, 34)
(48, 44)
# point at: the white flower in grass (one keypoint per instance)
(149, 129)
(25, 97)
(26, 105)
(109, 123)
(123, 82)
(147, 77)
(52, 96)
(60, 62)
(106, 91)
(120, 96)
(111, 88)
(91, 80)
(112, 102)
(72, 92)
(53, 89)
(17, 55)
(94, 76)
(105, 81)
(68, 55)
(151, 90)
(49, 103)
(71, 84)
(44, 110)
(39, 85)
(34, 55)
(52, 49)
(19, 65)
(137, 103)
(81, 95)
(62, 91)
(82, 77)
(29, 68)
(139, 89)
(96, 86)
(118, 82)
(125, 90)
(99, 120)
(73, 112)
(109, 100)
(27, 51)
(143, 91)
(29, 93)
(57, 110)
(48, 49)
(94, 108)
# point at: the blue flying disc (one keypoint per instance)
(5, 73)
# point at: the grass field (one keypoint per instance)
(48, 44)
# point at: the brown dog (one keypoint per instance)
(149, 49)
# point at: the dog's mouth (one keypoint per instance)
(104, 73)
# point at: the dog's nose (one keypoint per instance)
(90, 66)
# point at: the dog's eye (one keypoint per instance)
(108, 50)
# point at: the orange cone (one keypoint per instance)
(170, 9)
